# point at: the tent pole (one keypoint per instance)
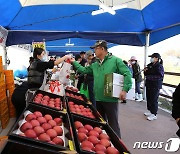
(145, 60)
(5, 57)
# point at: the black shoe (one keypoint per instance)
(124, 101)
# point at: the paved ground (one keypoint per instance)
(135, 127)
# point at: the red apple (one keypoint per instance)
(58, 141)
(58, 121)
(93, 133)
(48, 117)
(40, 95)
(39, 130)
(82, 136)
(44, 137)
(41, 120)
(88, 127)
(52, 133)
(37, 114)
(111, 150)
(87, 144)
(82, 130)
(30, 117)
(35, 123)
(93, 139)
(58, 129)
(46, 98)
(52, 123)
(78, 124)
(100, 147)
(46, 126)
(26, 126)
(105, 142)
(103, 136)
(97, 129)
(30, 133)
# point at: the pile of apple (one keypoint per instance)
(74, 89)
(47, 101)
(75, 96)
(94, 139)
(43, 128)
(80, 109)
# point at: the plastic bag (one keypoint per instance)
(84, 90)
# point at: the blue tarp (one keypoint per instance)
(29, 21)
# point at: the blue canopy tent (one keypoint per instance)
(35, 20)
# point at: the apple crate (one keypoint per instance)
(15, 147)
(76, 96)
(81, 109)
(92, 137)
(45, 136)
(49, 100)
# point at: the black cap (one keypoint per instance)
(101, 43)
(157, 55)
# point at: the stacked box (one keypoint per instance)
(4, 118)
(1, 64)
(9, 79)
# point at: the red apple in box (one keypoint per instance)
(97, 129)
(52, 133)
(111, 150)
(30, 117)
(93, 139)
(88, 127)
(35, 123)
(26, 126)
(30, 133)
(57, 107)
(76, 106)
(48, 117)
(46, 126)
(59, 130)
(58, 100)
(44, 102)
(71, 95)
(105, 142)
(87, 144)
(41, 120)
(82, 136)
(51, 99)
(37, 114)
(44, 137)
(58, 141)
(58, 121)
(78, 124)
(82, 130)
(100, 147)
(93, 133)
(103, 136)
(52, 123)
(51, 105)
(40, 95)
(39, 130)
(37, 100)
(46, 98)
(71, 103)
(51, 102)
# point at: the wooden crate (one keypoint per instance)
(3, 106)
(4, 119)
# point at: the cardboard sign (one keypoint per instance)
(3, 36)
(39, 45)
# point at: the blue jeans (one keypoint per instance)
(137, 87)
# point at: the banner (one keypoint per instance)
(39, 45)
(3, 36)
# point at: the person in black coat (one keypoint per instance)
(39, 66)
(176, 107)
(154, 74)
(138, 78)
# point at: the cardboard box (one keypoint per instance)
(113, 85)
